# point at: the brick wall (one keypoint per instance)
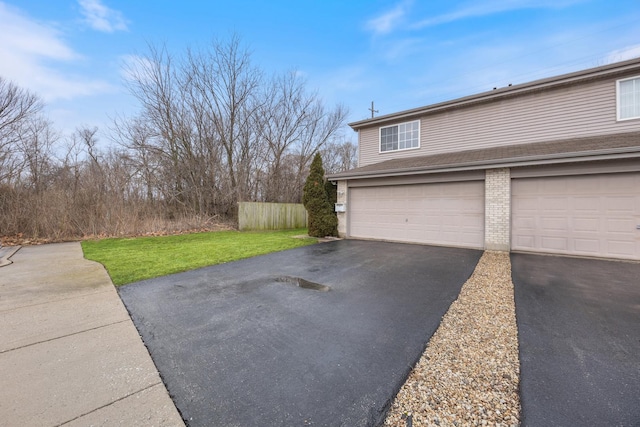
(497, 209)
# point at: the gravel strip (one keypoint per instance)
(469, 372)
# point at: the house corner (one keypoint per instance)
(342, 214)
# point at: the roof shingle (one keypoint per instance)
(571, 150)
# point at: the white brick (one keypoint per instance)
(497, 209)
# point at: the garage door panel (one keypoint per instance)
(451, 221)
(621, 247)
(554, 243)
(619, 225)
(628, 186)
(431, 221)
(468, 205)
(586, 245)
(440, 213)
(586, 203)
(554, 203)
(525, 223)
(526, 204)
(472, 222)
(470, 238)
(552, 224)
(524, 242)
(446, 204)
(586, 225)
(386, 233)
(621, 204)
(593, 215)
(413, 218)
(544, 187)
(414, 192)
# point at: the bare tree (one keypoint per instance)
(340, 156)
(154, 81)
(224, 85)
(295, 126)
(211, 131)
(17, 106)
(136, 136)
(36, 138)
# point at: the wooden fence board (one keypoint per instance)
(271, 216)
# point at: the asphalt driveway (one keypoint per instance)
(579, 332)
(242, 344)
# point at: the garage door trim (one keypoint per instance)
(444, 213)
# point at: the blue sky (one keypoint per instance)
(400, 54)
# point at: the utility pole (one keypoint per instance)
(372, 110)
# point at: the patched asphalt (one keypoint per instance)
(579, 331)
(242, 344)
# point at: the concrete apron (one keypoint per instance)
(69, 353)
(6, 252)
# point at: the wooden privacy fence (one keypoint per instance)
(271, 216)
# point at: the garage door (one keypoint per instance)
(450, 214)
(594, 215)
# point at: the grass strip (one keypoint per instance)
(132, 259)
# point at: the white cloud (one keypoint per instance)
(34, 54)
(20, 33)
(388, 21)
(623, 54)
(102, 18)
(478, 9)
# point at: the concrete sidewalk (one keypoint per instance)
(69, 353)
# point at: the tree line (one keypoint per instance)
(212, 130)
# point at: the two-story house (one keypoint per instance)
(547, 166)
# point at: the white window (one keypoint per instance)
(629, 98)
(403, 136)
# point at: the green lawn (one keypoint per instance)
(131, 259)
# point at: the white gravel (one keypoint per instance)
(469, 372)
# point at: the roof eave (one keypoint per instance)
(494, 164)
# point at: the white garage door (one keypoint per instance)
(450, 214)
(594, 215)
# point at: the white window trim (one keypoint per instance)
(399, 149)
(618, 99)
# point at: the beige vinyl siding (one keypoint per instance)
(369, 138)
(580, 110)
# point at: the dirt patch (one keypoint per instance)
(22, 240)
